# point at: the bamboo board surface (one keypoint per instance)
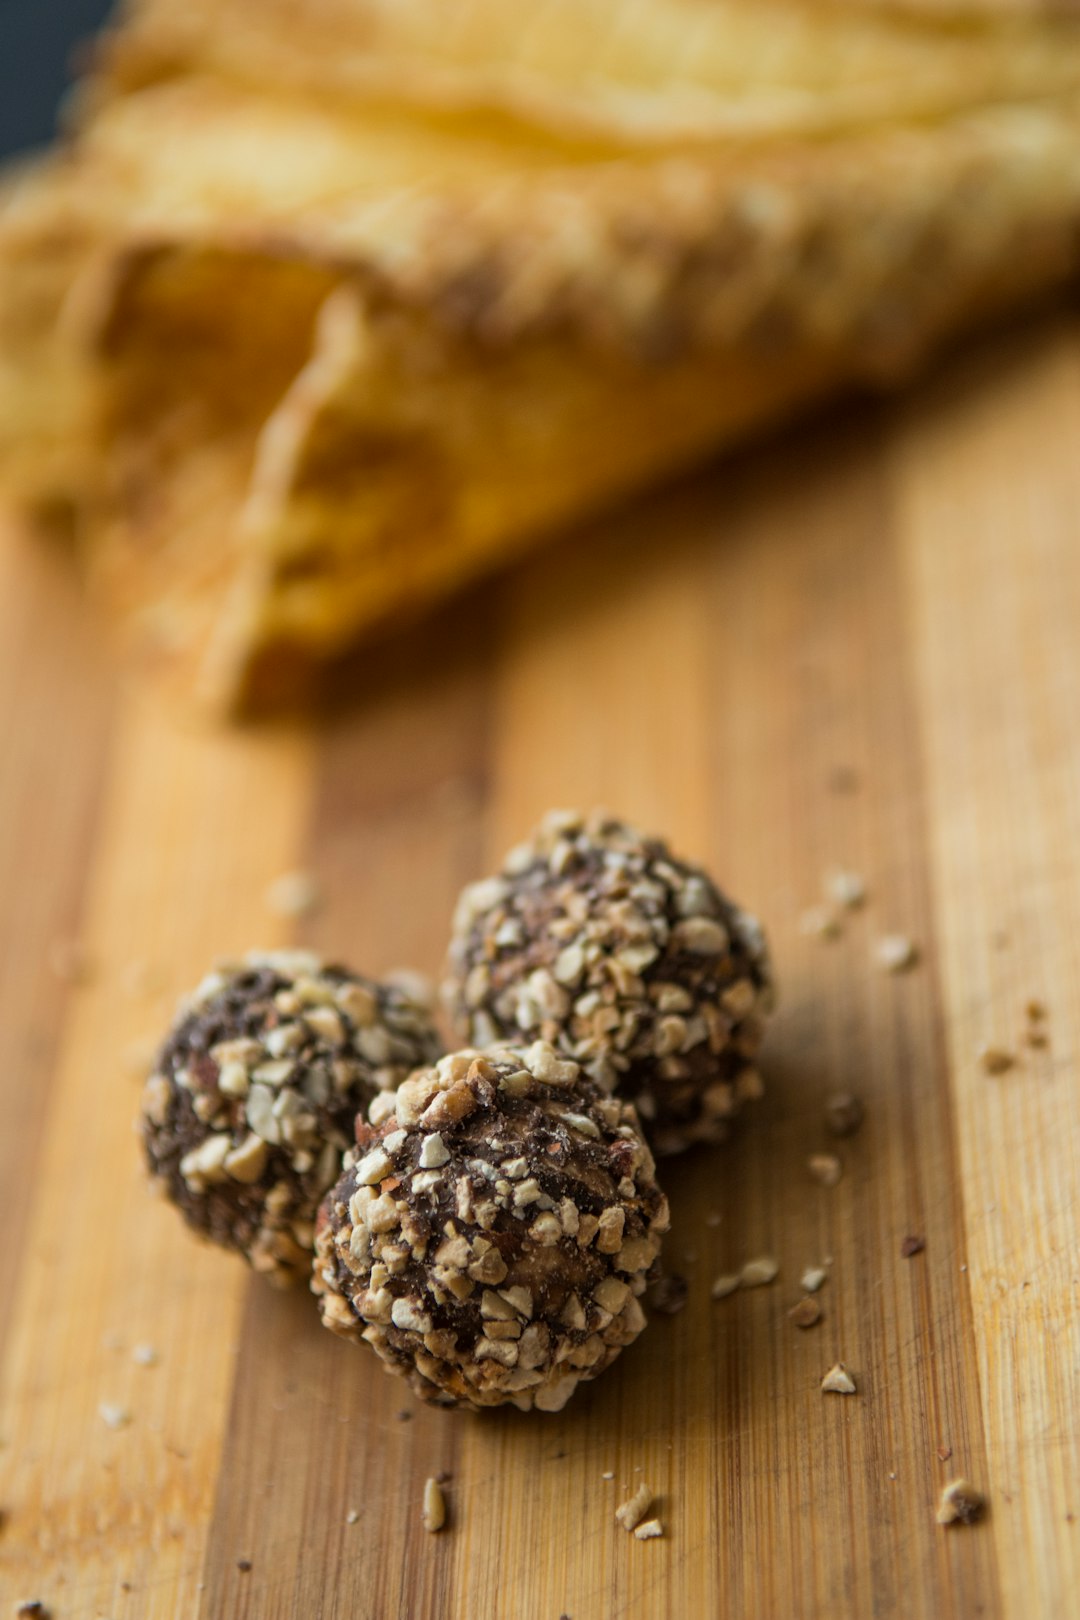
(885, 602)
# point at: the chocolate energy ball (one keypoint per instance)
(493, 1230)
(599, 940)
(252, 1102)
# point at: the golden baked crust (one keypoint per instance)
(328, 356)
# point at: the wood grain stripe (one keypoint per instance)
(192, 829)
(54, 733)
(393, 835)
(994, 613)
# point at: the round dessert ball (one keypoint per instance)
(253, 1098)
(492, 1232)
(599, 940)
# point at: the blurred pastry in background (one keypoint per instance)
(327, 307)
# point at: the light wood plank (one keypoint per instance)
(193, 828)
(316, 1429)
(988, 481)
(54, 734)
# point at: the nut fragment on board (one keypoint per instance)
(845, 889)
(896, 953)
(838, 1381)
(756, 1273)
(293, 894)
(843, 1113)
(826, 1168)
(669, 1294)
(633, 1510)
(113, 1415)
(434, 1509)
(960, 1503)
(649, 1530)
(911, 1246)
(813, 1278)
(819, 922)
(723, 1286)
(996, 1059)
(806, 1313)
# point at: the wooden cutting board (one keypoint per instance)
(857, 647)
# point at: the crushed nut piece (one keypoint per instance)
(669, 1294)
(632, 1511)
(1035, 1011)
(845, 889)
(944, 1453)
(434, 1509)
(996, 1059)
(756, 1273)
(806, 1313)
(813, 1278)
(820, 923)
(32, 1609)
(843, 1113)
(825, 1167)
(723, 1286)
(838, 1381)
(649, 1530)
(960, 1503)
(896, 953)
(912, 1245)
(1034, 1036)
(114, 1416)
(145, 1355)
(353, 1516)
(293, 894)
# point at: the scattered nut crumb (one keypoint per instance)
(244, 1565)
(944, 1453)
(838, 1381)
(353, 1516)
(757, 1272)
(896, 953)
(140, 978)
(723, 1286)
(713, 1218)
(649, 1530)
(145, 1355)
(1035, 1010)
(813, 1278)
(1036, 1037)
(608, 1475)
(293, 894)
(32, 1609)
(115, 1417)
(70, 962)
(996, 1059)
(633, 1510)
(843, 1113)
(845, 889)
(820, 922)
(912, 1245)
(669, 1294)
(843, 779)
(825, 1167)
(433, 1515)
(960, 1503)
(806, 1312)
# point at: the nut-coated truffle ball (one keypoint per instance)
(493, 1231)
(253, 1098)
(599, 940)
